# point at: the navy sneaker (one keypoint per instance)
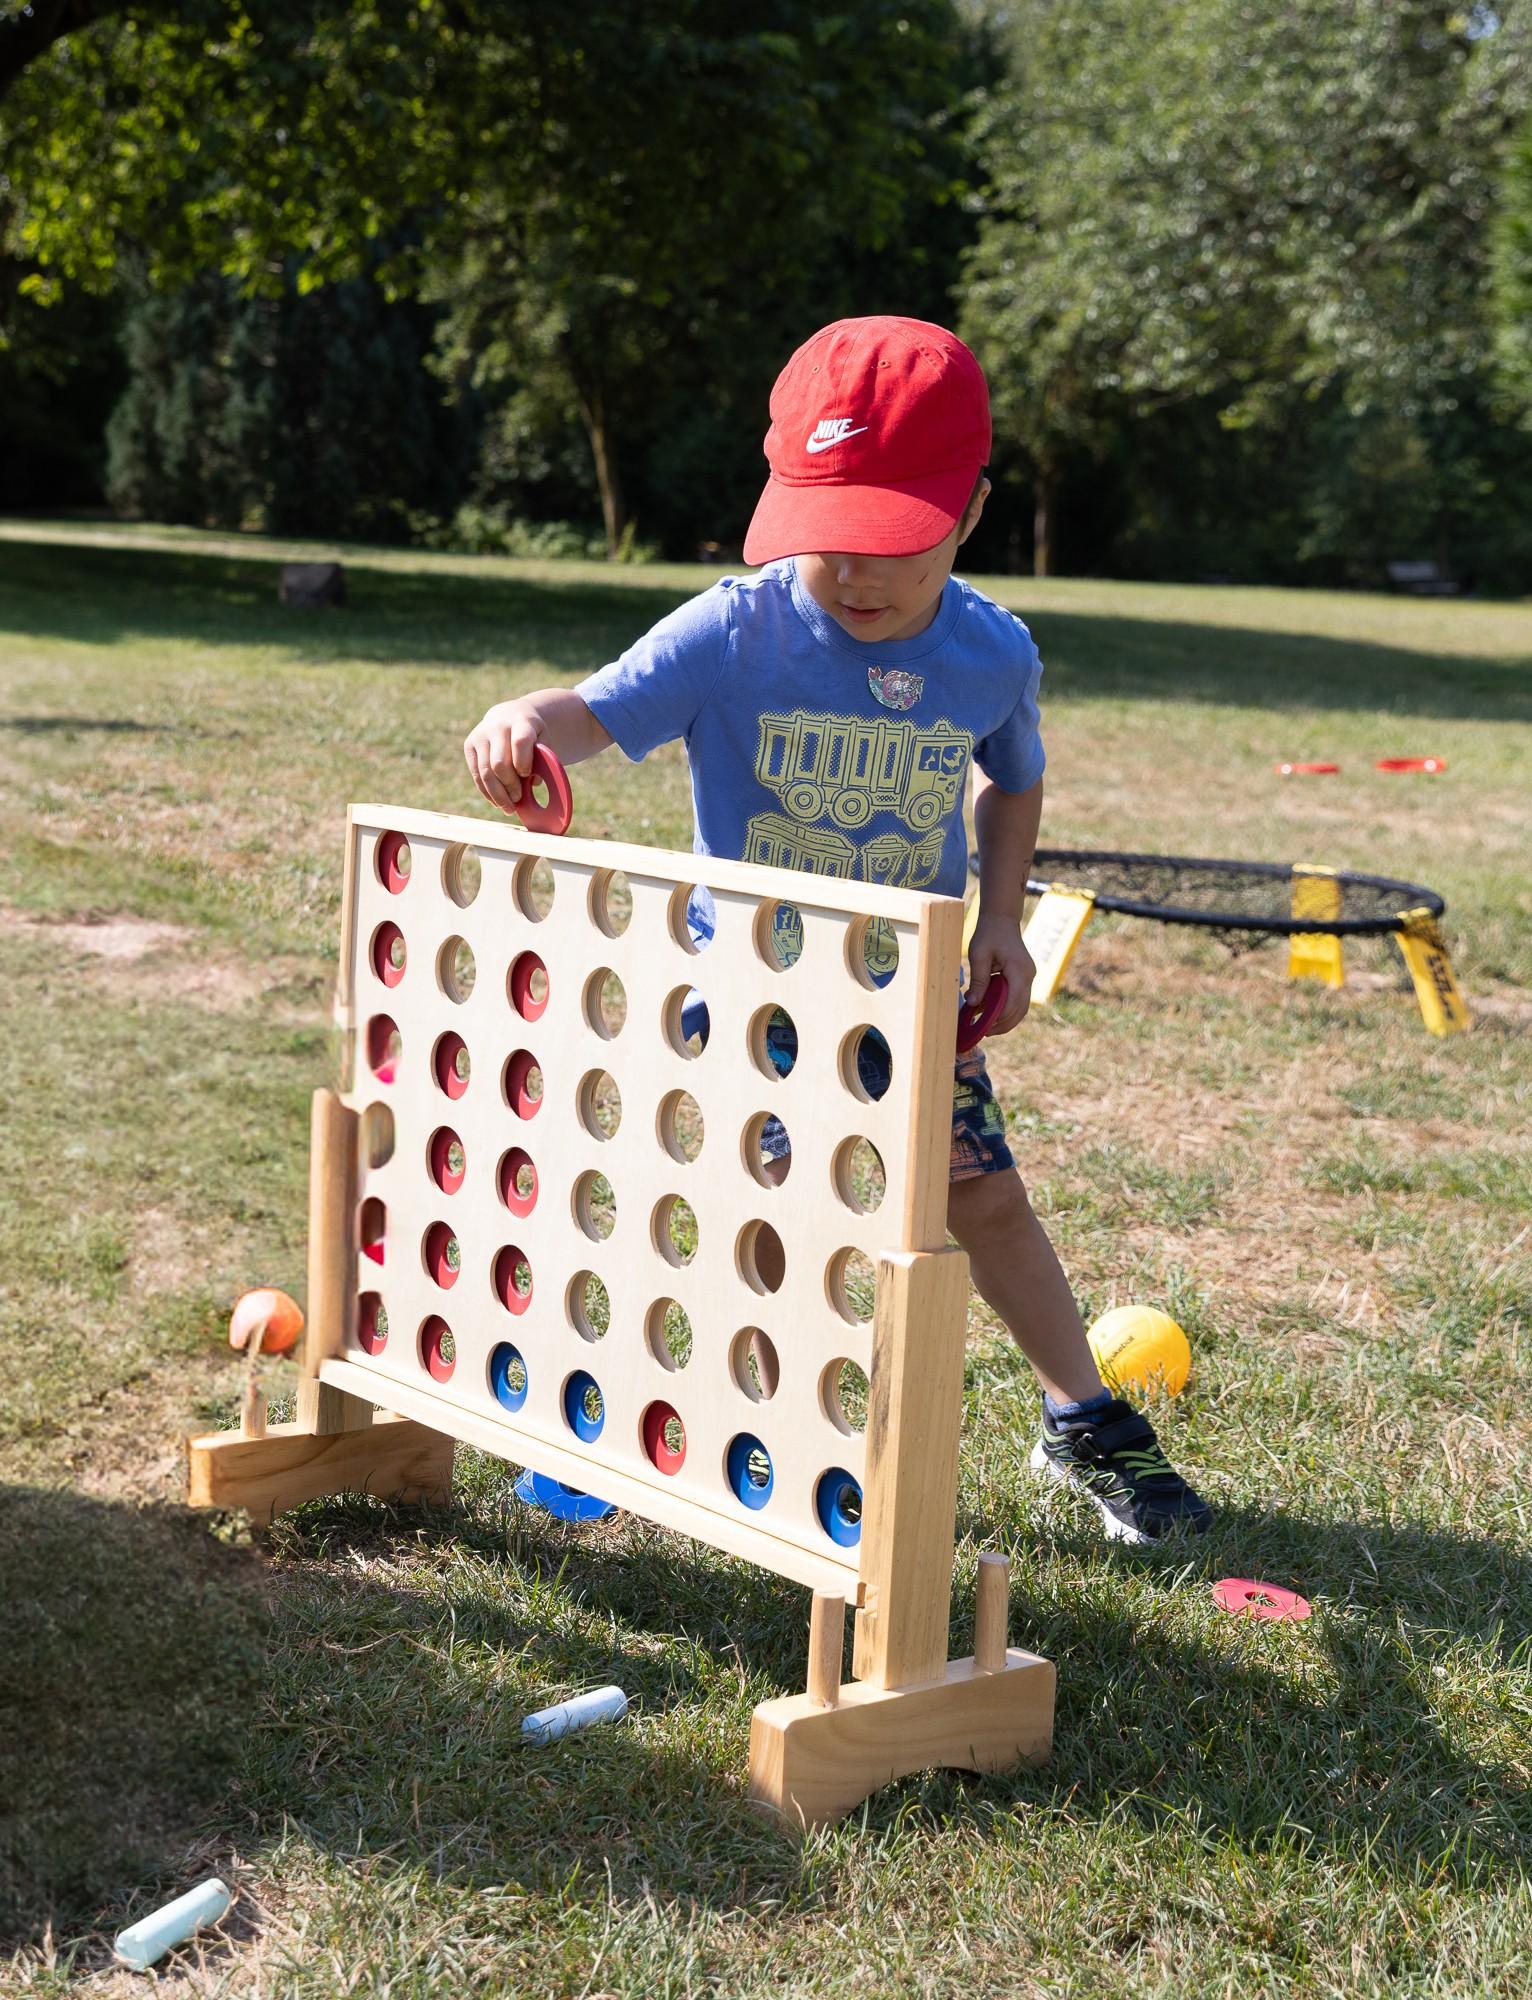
(1115, 1459)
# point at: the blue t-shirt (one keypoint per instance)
(813, 750)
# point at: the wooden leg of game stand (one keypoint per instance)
(334, 1446)
(910, 1707)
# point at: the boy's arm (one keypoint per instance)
(499, 749)
(1005, 832)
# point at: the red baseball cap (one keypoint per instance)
(879, 428)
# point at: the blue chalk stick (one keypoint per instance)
(608, 1704)
(162, 1930)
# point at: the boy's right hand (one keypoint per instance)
(499, 751)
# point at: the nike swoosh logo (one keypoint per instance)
(824, 444)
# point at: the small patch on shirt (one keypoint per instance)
(895, 688)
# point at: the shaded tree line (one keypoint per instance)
(1252, 278)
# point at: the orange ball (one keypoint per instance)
(277, 1318)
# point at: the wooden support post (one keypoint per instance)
(909, 1501)
(252, 1415)
(827, 1638)
(332, 1266)
(992, 1613)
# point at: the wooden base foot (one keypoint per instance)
(814, 1764)
(392, 1458)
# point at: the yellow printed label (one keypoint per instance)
(1052, 934)
(1317, 897)
(1442, 1006)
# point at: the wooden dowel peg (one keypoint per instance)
(992, 1613)
(252, 1416)
(827, 1638)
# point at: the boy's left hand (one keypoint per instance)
(997, 947)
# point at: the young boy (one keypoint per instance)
(879, 435)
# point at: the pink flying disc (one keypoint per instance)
(1259, 1600)
(1395, 764)
(1306, 770)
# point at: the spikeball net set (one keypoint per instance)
(1244, 904)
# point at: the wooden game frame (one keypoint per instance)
(816, 1755)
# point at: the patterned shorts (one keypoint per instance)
(978, 1123)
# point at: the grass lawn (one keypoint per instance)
(1336, 1206)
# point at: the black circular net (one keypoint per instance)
(1243, 901)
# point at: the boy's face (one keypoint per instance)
(879, 598)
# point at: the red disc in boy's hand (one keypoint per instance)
(555, 815)
(977, 1017)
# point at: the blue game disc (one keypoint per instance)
(567, 1503)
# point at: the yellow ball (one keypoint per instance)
(1139, 1347)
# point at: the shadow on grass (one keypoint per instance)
(98, 596)
(384, 1721)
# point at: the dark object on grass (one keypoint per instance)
(1246, 902)
(1423, 579)
(312, 586)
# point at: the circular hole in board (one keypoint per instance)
(447, 1160)
(753, 1364)
(385, 1047)
(388, 952)
(872, 951)
(778, 934)
(748, 1469)
(375, 1136)
(589, 1306)
(450, 1064)
(684, 1020)
(760, 1257)
(512, 1277)
(611, 901)
(373, 1229)
(393, 860)
(674, 1229)
(859, 1176)
(455, 969)
(767, 1150)
(462, 873)
(679, 1124)
(522, 1083)
(584, 1406)
(371, 1323)
(838, 1503)
(438, 1350)
(595, 1206)
(843, 1396)
(692, 916)
(606, 1003)
(866, 1064)
(442, 1255)
(516, 1179)
(773, 1040)
(669, 1334)
(852, 1285)
(599, 1103)
(526, 986)
(508, 1376)
(532, 888)
(663, 1436)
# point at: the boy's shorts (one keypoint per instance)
(978, 1123)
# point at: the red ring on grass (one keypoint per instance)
(444, 1061)
(506, 1262)
(517, 1072)
(656, 1450)
(432, 1333)
(394, 862)
(510, 1166)
(1397, 764)
(384, 938)
(524, 970)
(443, 1139)
(1259, 1600)
(1306, 770)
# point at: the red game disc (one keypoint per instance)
(976, 1017)
(554, 817)
(1259, 1600)
(1306, 770)
(1412, 764)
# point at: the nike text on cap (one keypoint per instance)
(879, 428)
